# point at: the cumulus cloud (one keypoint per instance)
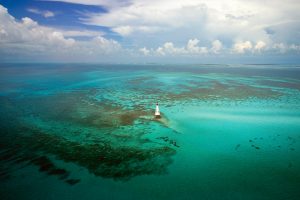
(169, 48)
(216, 46)
(192, 48)
(29, 32)
(295, 47)
(28, 37)
(44, 13)
(145, 51)
(284, 48)
(106, 45)
(260, 45)
(242, 47)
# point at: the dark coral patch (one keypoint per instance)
(8, 155)
(46, 165)
(170, 141)
(72, 181)
(101, 159)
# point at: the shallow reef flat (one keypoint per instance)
(226, 132)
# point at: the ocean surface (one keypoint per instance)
(87, 131)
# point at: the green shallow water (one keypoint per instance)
(88, 132)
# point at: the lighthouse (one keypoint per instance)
(157, 113)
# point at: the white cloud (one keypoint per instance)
(44, 13)
(242, 47)
(145, 51)
(284, 48)
(160, 51)
(152, 22)
(128, 30)
(281, 47)
(27, 37)
(28, 31)
(123, 30)
(216, 46)
(260, 45)
(145, 16)
(169, 48)
(29, 23)
(106, 45)
(193, 48)
(81, 33)
(295, 47)
(162, 27)
(233, 17)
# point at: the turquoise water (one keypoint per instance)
(86, 131)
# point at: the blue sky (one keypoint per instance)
(157, 31)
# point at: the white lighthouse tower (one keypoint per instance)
(157, 113)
